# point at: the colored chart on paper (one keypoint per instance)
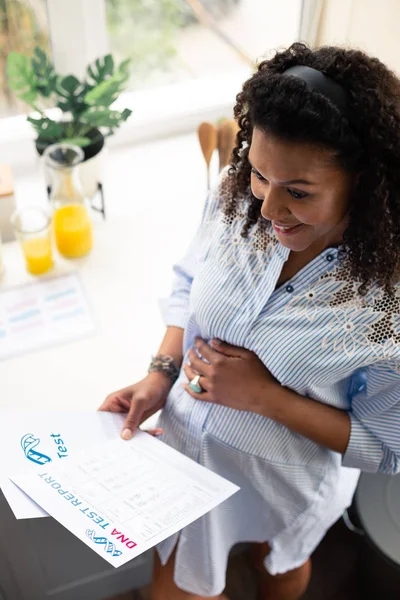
(48, 312)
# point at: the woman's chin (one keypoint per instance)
(294, 243)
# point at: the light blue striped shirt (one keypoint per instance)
(317, 336)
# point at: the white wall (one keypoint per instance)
(370, 25)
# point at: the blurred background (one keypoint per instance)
(188, 57)
(169, 41)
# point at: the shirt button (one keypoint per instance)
(330, 257)
(289, 289)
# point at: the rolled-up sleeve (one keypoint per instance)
(374, 443)
(175, 308)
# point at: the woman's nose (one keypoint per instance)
(273, 207)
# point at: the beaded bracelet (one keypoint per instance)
(163, 363)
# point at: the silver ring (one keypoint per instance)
(195, 385)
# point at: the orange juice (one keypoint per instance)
(37, 252)
(73, 230)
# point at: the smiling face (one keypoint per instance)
(304, 193)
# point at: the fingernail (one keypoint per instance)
(126, 434)
(217, 342)
(158, 432)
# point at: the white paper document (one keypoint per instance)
(31, 440)
(48, 312)
(122, 498)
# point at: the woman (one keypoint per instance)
(287, 310)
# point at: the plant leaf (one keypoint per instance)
(125, 66)
(100, 70)
(104, 117)
(21, 77)
(29, 97)
(106, 81)
(70, 85)
(77, 141)
(71, 93)
(44, 72)
(46, 128)
(126, 113)
(106, 92)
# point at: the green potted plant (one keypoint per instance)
(86, 117)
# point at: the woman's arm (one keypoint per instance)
(237, 378)
(323, 424)
(367, 435)
(172, 345)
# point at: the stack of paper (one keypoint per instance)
(120, 498)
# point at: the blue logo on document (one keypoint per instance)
(109, 547)
(28, 445)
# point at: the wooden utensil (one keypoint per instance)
(227, 131)
(208, 135)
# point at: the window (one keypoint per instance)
(175, 40)
(189, 57)
(23, 25)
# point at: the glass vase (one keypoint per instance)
(71, 219)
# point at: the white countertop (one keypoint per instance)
(123, 280)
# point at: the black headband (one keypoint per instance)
(319, 82)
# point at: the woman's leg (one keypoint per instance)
(287, 586)
(163, 585)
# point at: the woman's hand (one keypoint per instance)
(140, 400)
(232, 376)
(237, 378)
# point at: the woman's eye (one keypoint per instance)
(257, 174)
(294, 193)
(297, 195)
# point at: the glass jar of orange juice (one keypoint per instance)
(71, 220)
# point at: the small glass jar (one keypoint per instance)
(32, 229)
(71, 221)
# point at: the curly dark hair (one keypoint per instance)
(366, 142)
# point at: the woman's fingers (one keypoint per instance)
(228, 349)
(205, 350)
(117, 401)
(134, 418)
(205, 396)
(190, 374)
(115, 405)
(155, 432)
(197, 364)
